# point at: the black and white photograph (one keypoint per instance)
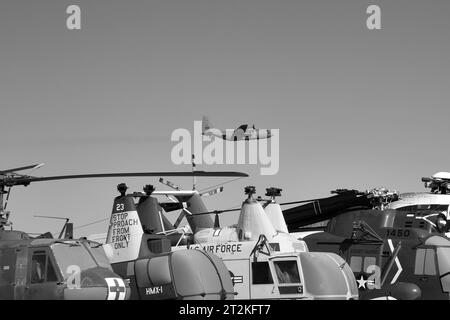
(246, 151)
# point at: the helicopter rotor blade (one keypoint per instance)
(33, 166)
(211, 192)
(216, 212)
(8, 181)
(170, 184)
(52, 217)
(171, 206)
(172, 198)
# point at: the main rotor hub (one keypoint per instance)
(148, 189)
(122, 188)
(250, 191)
(380, 197)
(438, 183)
(273, 192)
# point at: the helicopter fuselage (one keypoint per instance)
(422, 201)
(389, 253)
(281, 268)
(50, 269)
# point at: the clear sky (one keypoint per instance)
(355, 108)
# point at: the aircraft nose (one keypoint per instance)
(92, 293)
(97, 284)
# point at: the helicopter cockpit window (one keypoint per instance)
(356, 263)
(425, 262)
(287, 271)
(443, 254)
(41, 268)
(361, 264)
(99, 255)
(70, 254)
(38, 268)
(51, 274)
(369, 261)
(261, 273)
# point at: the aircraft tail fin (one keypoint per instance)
(125, 231)
(133, 224)
(196, 205)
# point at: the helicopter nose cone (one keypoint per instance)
(97, 284)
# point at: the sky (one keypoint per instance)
(356, 108)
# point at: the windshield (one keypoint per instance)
(287, 271)
(323, 276)
(443, 254)
(71, 254)
(99, 254)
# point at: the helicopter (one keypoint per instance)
(145, 260)
(394, 254)
(438, 199)
(45, 268)
(264, 263)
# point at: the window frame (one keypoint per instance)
(298, 270)
(420, 270)
(363, 263)
(49, 260)
(269, 269)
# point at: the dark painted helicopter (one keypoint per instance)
(393, 254)
(46, 268)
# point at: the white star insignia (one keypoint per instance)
(361, 282)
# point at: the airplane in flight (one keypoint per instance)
(243, 132)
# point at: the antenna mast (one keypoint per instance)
(193, 170)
